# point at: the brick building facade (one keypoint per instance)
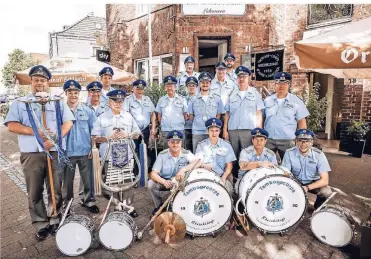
(263, 27)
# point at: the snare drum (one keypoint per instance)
(75, 235)
(118, 231)
(274, 202)
(205, 205)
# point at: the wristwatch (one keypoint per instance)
(259, 164)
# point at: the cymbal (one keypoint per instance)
(172, 224)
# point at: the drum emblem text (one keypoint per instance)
(201, 207)
(275, 203)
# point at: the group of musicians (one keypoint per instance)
(223, 125)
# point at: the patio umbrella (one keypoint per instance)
(83, 70)
(344, 52)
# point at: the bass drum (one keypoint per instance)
(75, 236)
(205, 205)
(273, 202)
(118, 231)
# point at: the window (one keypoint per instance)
(167, 66)
(95, 51)
(142, 9)
(161, 66)
(323, 14)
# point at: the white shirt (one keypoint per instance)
(205, 97)
(242, 94)
(280, 101)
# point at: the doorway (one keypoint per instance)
(211, 50)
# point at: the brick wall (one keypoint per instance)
(128, 39)
(254, 24)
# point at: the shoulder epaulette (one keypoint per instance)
(226, 140)
(203, 141)
(185, 151)
(164, 151)
(290, 149)
(316, 150)
(249, 149)
(270, 152)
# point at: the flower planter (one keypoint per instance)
(356, 148)
(365, 250)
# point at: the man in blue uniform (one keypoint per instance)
(216, 153)
(33, 158)
(192, 85)
(203, 107)
(95, 91)
(243, 113)
(79, 147)
(256, 155)
(221, 86)
(229, 59)
(171, 162)
(284, 113)
(115, 124)
(189, 64)
(309, 165)
(106, 75)
(172, 109)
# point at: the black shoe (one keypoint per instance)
(53, 229)
(133, 214)
(42, 233)
(93, 209)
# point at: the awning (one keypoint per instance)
(344, 52)
(83, 70)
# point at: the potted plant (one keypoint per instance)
(317, 108)
(357, 131)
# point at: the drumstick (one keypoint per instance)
(65, 213)
(50, 172)
(105, 212)
(329, 198)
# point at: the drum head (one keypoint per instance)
(276, 203)
(205, 207)
(331, 227)
(115, 235)
(73, 239)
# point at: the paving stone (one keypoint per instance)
(10, 249)
(13, 238)
(140, 248)
(191, 250)
(162, 251)
(28, 241)
(25, 253)
(240, 252)
(210, 252)
(265, 249)
(225, 241)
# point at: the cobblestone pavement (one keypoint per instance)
(17, 234)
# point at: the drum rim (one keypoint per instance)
(343, 215)
(91, 234)
(296, 223)
(212, 232)
(134, 232)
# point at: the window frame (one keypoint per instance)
(146, 61)
(344, 19)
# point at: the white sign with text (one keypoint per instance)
(214, 9)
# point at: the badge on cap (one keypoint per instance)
(214, 123)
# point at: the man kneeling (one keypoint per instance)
(172, 162)
(309, 165)
(257, 155)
